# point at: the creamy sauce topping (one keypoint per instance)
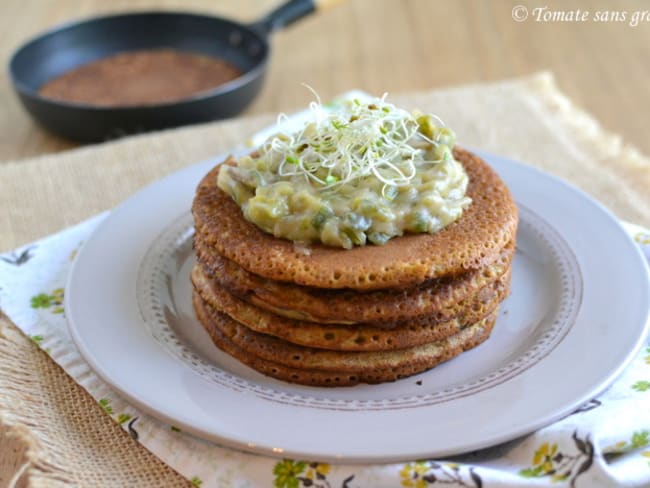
(367, 172)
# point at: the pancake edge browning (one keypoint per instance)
(382, 308)
(343, 337)
(470, 338)
(471, 242)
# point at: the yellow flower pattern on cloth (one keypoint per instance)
(421, 474)
(413, 474)
(297, 474)
(560, 465)
(642, 238)
(543, 463)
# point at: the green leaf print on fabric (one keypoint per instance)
(37, 339)
(52, 301)
(105, 403)
(641, 386)
(286, 473)
(42, 300)
(639, 440)
(196, 481)
(123, 417)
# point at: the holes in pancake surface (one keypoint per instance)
(307, 378)
(296, 357)
(329, 336)
(485, 188)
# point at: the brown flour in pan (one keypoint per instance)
(145, 77)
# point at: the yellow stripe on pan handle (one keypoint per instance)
(289, 12)
(322, 5)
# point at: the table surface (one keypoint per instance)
(393, 46)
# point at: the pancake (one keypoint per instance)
(296, 364)
(474, 240)
(379, 307)
(350, 337)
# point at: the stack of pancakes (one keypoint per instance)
(326, 316)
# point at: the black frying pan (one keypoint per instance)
(65, 48)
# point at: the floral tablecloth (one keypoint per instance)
(604, 443)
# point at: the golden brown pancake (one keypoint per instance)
(350, 337)
(296, 364)
(473, 241)
(379, 307)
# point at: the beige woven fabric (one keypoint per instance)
(53, 434)
(60, 436)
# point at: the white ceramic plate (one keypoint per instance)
(577, 314)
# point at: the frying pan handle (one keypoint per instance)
(289, 12)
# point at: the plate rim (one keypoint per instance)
(356, 458)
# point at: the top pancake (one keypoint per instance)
(472, 241)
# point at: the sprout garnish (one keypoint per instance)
(339, 147)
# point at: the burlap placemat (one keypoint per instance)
(52, 433)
